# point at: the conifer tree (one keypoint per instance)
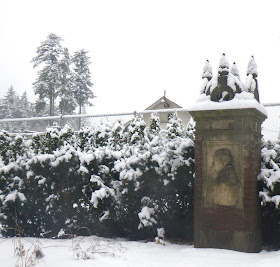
(190, 129)
(67, 136)
(175, 127)
(86, 138)
(11, 104)
(82, 79)
(25, 106)
(2, 109)
(118, 135)
(137, 130)
(50, 141)
(15, 106)
(102, 134)
(154, 124)
(67, 102)
(5, 141)
(11, 108)
(48, 82)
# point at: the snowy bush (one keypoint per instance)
(156, 182)
(270, 191)
(115, 181)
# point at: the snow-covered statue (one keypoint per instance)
(226, 83)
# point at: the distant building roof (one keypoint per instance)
(163, 103)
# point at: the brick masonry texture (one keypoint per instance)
(227, 225)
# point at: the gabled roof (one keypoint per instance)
(163, 103)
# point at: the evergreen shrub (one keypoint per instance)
(269, 181)
(129, 181)
(117, 181)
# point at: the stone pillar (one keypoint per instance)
(227, 162)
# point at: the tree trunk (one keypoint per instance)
(80, 112)
(51, 105)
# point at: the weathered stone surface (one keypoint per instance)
(234, 240)
(221, 195)
(222, 183)
(227, 208)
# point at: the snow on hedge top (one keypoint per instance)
(240, 101)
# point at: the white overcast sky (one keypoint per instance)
(139, 48)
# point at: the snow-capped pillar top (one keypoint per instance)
(207, 71)
(223, 65)
(252, 67)
(225, 85)
(206, 76)
(251, 84)
(234, 70)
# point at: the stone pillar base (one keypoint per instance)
(233, 240)
(227, 162)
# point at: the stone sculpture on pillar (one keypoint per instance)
(227, 159)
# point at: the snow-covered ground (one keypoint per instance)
(127, 253)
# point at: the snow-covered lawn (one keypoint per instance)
(128, 253)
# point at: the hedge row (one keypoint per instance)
(134, 182)
(130, 182)
(269, 183)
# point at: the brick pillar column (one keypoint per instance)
(227, 162)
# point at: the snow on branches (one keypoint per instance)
(270, 173)
(100, 176)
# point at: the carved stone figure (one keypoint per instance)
(222, 189)
(222, 170)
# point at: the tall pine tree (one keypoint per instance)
(58, 79)
(48, 82)
(10, 104)
(82, 79)
(15, 106)
(67, 102)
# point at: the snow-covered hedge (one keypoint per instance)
(270, 190)
(115, 181)
(133, 181)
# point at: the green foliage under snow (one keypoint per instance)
(114, 181)
(269, 180)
